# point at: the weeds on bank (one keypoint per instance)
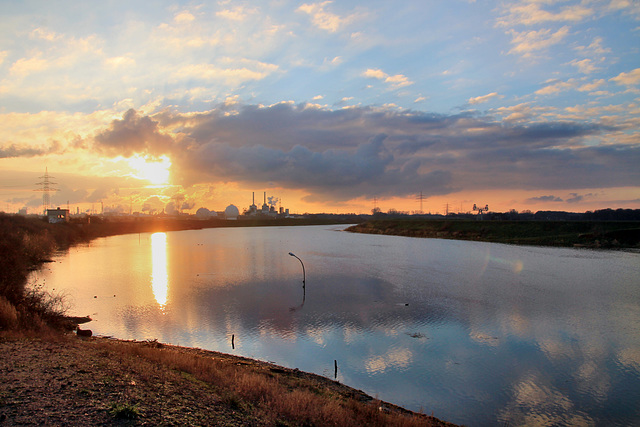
(24, 244)
(124, 411)
(274, 398)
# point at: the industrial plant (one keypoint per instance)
(268, 210)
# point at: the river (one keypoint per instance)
(471, 332)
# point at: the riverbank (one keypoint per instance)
(55, 379)
(589, 234)
(50, 376)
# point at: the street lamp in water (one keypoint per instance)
(303, 272)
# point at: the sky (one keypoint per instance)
(327, 106)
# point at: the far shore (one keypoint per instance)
(578, 234)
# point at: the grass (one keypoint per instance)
(125, 411)
(596, 234)
(287, 397)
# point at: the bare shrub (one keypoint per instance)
(8, 314)
(39, 307)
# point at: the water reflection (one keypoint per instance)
(304, 297)
(159, 275)
(479, 334)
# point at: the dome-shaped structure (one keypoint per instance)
(231, 212)
(203, 213)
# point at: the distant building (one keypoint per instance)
(265, 206)
(268, 210)
(204, 213)
(231, 212)
(57, 215)
(253, 209)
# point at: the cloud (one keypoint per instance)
(585, 66)
(119, 61)
(20, 151)
(25, 66)
(632, 78)
(238, 13)
(556, 87)
(576, 198)
(365, 151)
(184, 18)
(589, 87)
(595, 48)
(528, 42)
(544, 199)
(251, 70)
(45, 34)
(323, 19)
(531, 13)
(375, 74)
(336, 60)
(520, 112)
(481, 99)
(133, 134)
(397, 81)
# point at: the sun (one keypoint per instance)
(156, 171)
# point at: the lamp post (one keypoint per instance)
(304, 276)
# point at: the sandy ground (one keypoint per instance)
(68, 382)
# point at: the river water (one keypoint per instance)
(471, 332)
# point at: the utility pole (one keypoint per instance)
(421, 198)
(480, 209)
(47, 186)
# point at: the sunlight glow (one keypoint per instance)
(154, 171)
(159, 275)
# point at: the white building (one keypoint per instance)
(57, 215)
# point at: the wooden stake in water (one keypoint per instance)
(233, 345)
(335, 365)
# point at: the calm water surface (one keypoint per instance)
(477, 333)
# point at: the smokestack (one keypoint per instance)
(254, 197)
(265, 197)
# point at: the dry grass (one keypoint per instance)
(273, 394)
(8, 314)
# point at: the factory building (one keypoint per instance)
(267, 209)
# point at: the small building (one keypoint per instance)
(57, 215)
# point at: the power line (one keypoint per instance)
(421, 198)
(47, 186)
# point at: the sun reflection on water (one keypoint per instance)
(159, 276)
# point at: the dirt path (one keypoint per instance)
(72, 383)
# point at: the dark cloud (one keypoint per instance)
(133, 134)
(544, 199)
(365, 152)
(13, 150)
(576, 198)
